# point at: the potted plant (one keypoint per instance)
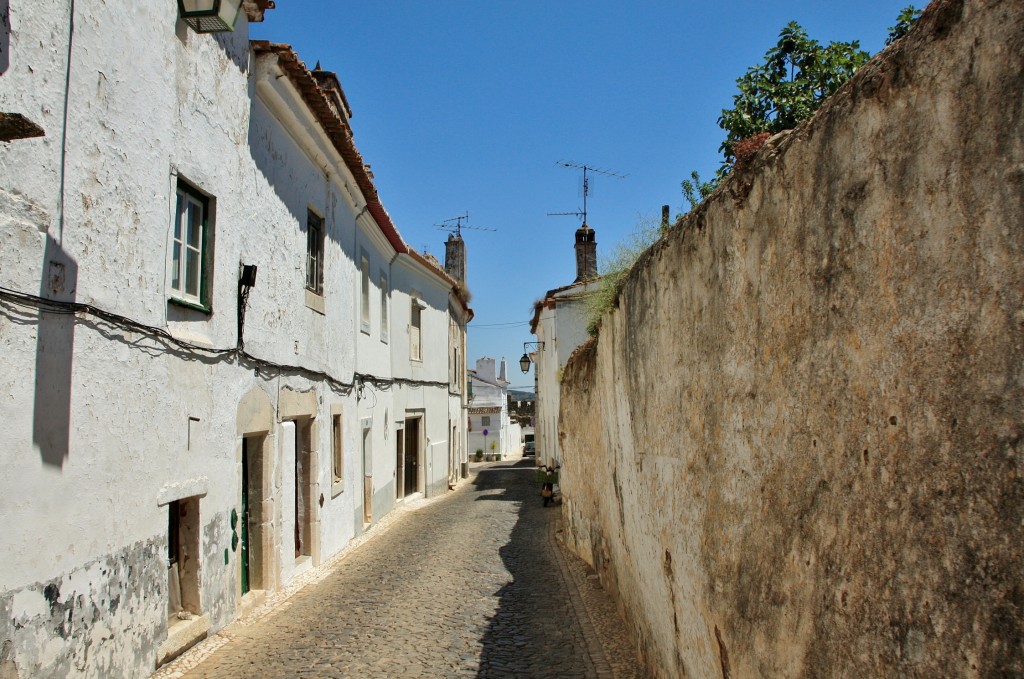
(479, 454)
(494, 449)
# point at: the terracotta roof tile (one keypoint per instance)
(338, 131)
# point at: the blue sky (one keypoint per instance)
(466, 106)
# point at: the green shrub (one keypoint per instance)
(613, 270)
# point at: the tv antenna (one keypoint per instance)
(455, 225)
(586, 186)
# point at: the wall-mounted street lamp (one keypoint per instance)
(210, 16)
(246, 281)
(525, 361)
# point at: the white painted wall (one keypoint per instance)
(561, 328)
(104, 426)
(413, 280)
(491, 392)
(97, 432)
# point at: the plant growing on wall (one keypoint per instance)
(695, 191)
(613, 270)
(797, 75)
(908, 16)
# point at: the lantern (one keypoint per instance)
(210, 16)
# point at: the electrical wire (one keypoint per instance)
(238, 354)
(500, 325)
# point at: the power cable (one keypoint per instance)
(239, 355)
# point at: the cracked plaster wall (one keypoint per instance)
(97, 433)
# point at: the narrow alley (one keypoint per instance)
(474, 584)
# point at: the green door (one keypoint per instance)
(245, 516)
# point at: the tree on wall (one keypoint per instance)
(797, 75)
(904, 22)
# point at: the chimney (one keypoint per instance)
(503, 375)
(331, 88)
(455, 257)
(586, 254)
(485, 368)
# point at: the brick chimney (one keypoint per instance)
(455, 257)
(331, 88)
(586, 254)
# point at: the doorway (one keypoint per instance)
(250, 529)
(411, 463)
(304, 507)
(400, 462)
(457, 455)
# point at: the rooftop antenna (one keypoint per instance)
(586, 185)
(455, 225)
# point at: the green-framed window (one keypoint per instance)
(314, 253)
(191, 261)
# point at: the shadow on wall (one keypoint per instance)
(55, 340)
(5, 36)
(235, 44)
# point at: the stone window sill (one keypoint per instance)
(315, 302)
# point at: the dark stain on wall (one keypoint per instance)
(127, 593)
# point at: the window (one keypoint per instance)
(383, 307)
(365, 296)
(415, 331)
(485, 420)
(190, 260)
(454, 380)
(314, 253)
(336, 448)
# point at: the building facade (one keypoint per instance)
(221, 360)
(560, 324)
(490, 429)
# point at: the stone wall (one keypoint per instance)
(812, 390)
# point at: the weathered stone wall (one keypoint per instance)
(811, 396)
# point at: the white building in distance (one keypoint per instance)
(488, 412)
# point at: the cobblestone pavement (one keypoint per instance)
(473, 584)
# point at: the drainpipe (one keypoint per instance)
(64, 129)
(355, 258)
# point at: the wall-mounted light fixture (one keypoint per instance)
(246, 281)
(210, 16)
(248, 275)
(525, 361)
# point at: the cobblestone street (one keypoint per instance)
(473, 584)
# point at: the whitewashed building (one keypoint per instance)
(560, 324)
(488, 412)
(221, 360)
